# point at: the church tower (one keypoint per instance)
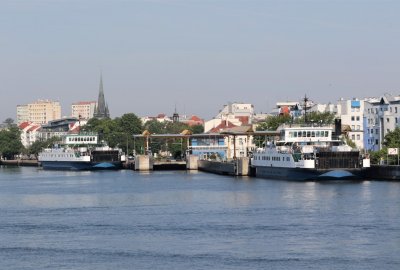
(101, 110)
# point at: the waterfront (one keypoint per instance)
(193, 220)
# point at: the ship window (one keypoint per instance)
(308, 133)
(313, 134)
(295, 134)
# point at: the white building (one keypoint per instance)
(83, 109)
(233, 114)
(162, 118)
(382, 115)
(22, 114)
(29, 133)
(351, 112)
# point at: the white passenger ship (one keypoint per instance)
(308, 153)
(81, 152)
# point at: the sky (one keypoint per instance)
(156, 55)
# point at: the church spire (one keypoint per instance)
(101, 108)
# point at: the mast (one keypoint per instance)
(305, 108)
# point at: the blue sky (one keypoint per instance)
(198, 55)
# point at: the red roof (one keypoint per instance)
(23, 125)
(33, 128)
(223, 125)
(195, 118)
(161, 115)
(83, 102)
(243, 119)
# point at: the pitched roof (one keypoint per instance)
(195, 118)
(223, 125)
(24, 125)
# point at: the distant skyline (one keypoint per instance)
(195, 55)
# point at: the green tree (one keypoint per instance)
(10, 142)
(324, 118)
(155, 127)
(273, 122)
(37, 146)
(392, 139)
(9, 122)
(197, 129)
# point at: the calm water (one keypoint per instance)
(179, 220)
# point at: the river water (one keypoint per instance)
(194, 220)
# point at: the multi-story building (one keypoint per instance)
(22, 114)
(39, 112)
(351, 113)
(83, 109)
(59, 128)
(382, 115)
(29, 133)
(233, 114)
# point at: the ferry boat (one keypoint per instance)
(81, 152)
(308, 152)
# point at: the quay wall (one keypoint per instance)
(20, 162)
(383, 172)
(239, 167)
(227, 168)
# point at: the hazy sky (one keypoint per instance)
(198, 55)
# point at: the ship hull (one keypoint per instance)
(79, 166)
(303, 174)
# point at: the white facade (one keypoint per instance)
(83, 109)
(351, 113)
(237, 109)
(22, 114)
(382, 115)
(236, 114)
(29, 133)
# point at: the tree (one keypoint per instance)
(10, 142)
(9, 122)
(37, 146)
(197, 129)
(273, 122)
(155, 127)
(392, 139)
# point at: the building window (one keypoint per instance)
(377, 131)
(352, 118)
(372, 131)
(353, 137)
(387, 120)
(395, 109)
(376, 141)
(358, 127)
(390, 109)
(358, 136)
(358, 118)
